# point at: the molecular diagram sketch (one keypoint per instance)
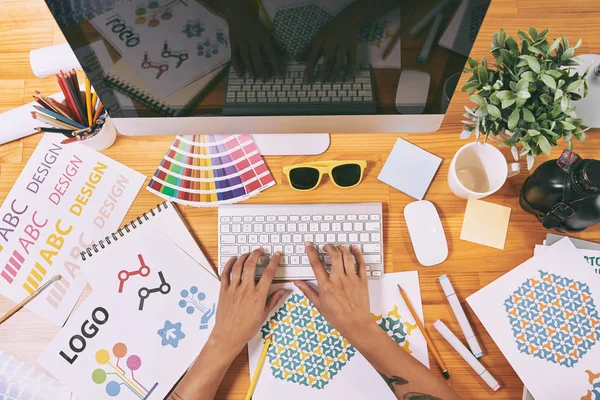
(145, 292)
(181, 56)
(193, 29)
(192, 300)
(110, 370)
(155, 12)
(124, 275)
(161, 67)
(553, 318)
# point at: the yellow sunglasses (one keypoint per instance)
(307, 176)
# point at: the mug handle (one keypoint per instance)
(513, 169)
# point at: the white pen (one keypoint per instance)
(466, 355)
(460, 315)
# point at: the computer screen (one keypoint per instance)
(204, 58)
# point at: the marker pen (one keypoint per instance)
(460, 315)
(466, 355)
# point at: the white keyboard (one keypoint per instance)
(287, 227)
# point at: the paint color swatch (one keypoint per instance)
(209, 170)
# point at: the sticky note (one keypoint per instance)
(485, 223)
(410, 169)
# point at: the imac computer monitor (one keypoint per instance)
(271, 66)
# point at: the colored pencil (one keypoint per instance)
(88, 101)
(259, 366)
(94, 102)
(52, 121)
(58, 117)
(98, 112)
(392, 44)
(62, 79)
(68, 132)
(32, 296)
(434, 351)
(61, 108)
(77, 102)
(78, 86)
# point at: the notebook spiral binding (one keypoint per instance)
(113, 237)
(139, 95)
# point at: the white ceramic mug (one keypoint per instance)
(478, 170)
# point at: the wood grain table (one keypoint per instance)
(27, 24)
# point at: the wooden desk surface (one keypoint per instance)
(27, 24)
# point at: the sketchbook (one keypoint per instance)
(150, 313)
(544, 317)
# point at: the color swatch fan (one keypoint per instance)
(209, 170)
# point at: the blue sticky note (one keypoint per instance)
(410, 169)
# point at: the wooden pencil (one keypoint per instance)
(94, 101)
(394, 39)
(52, 121)
(259, 366)
(62, 80)
(55, 130)
(62, 109)
(58, 117)
(88, 101)
(98, 112)
(434, 351)
(32, 296)
(77, 101)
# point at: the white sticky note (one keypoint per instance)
(485, 223)
(410, 169)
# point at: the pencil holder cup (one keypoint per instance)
(103, 139)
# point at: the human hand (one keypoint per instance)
(243, 303)
(337, 44)
(343, 296)
(252, 46)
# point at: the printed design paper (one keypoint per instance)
(395, 327)
(65, 199)
(553, 318)
(594, 392)
(295, 26)
(306, 350)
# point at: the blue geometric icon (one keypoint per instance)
(192, 301)
(193, 29)
(171, 334)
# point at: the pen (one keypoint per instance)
(392, 43)
(466, 355)
(434, 351)
(418, 27)
(32, 296)
(435, 27)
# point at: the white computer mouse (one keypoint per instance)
(412, 92)
(426, 232)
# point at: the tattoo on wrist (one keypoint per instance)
(419, 396)
(393, 380)
(175, 396)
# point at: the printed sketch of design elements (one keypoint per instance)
(594, 392)
(306, 350)
(193, 300)
(374, 33)
(554, 318)
(120, 377)
(296, 26)
(395, 328)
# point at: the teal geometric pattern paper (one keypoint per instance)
(306, 350)
(295, 26)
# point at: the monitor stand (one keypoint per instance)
(587, 108)
(287, 144)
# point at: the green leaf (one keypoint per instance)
(528, 76)
(532, 62)
(494, 111)
(549, 132)
(577, 45)
(534, 49)
(546, 99)
(575, 86)
(533, 132)
(565, 42)
(528, 115)
(548, 81)
(512, 45)
(501, 37)
(472, 62)
(567, 54)
(477, 99)
(556, 74)
(568, 126)
(508, 103)
(554, 46)
(533, 32)
(558, 94)
(513, 119)
(544, 144)
(523, 94)
(523, 84)
(521, 102)
(505, 95)
(524, 37)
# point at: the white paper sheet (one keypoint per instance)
(66, 197)
(331, 367)
(136, 29)
(591, 256)
(142, 348)
(544, 317)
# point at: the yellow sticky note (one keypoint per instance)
(485, 223)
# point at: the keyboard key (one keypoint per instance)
(236, 218)
(325, 226)
(372, 258)
(375, 237)
(347, 226)
(364, 237)
(224, 260)
(314, 227)
(300, 249)
(372, 226)
(340, 217)
(331, 238)
(336, 227)
(374, 217)
(284, 260)
(258, 228)
(230, 251)
(291, 227)
(328, 217)
(236, 228)
(246, 228)
(286, 238)
(319, 238)
(342, 237)
(309, 237)
(225, 228)
(297, 238)
(277, 248)
(305, 218)
(271, 218)
(295, 260)
(363, 217)
(269, 228)
(263, 238)
(225, 219)
(353, 237)
(376, 273)
(288, 249)
(304, 260)
(242, 239)
(254, 247)
(275, 239)
(253, 239)
(359, 226)
(280, 227)
(244, 249)
(228, 239)
(371, 248)
(302, 227)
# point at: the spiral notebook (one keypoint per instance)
(150, 313)
(122, 78)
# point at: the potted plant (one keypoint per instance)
(528, 95)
